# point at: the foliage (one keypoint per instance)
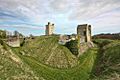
(22, 42)
(73, 46)
(2, 34)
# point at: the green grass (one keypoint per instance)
(98, 63)
(108, 60)
(12, 70)
(47, 51)
(80, 72)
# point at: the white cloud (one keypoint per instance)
(97, 12)
(78, 9)
(111, 18)
(21, 26)
(93, 8)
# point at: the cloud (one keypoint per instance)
(83, 9)
(111, 18)
(60, 6)
(76, 9)
(25, 29)
(108, 22)
(65, 13)
(93, 8)
(22, 26)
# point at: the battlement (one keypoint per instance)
(49, 29)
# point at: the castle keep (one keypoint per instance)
(49, 29)
(84, 33)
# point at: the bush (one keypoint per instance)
(73, 46)
(22, 43)
(2, 34)
(1, 42)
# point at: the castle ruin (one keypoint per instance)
(84, 33)
(13, 40)
(49, 29)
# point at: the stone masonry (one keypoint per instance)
(13, 40)
(49, 29)
(84, 33)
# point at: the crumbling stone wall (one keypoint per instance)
(84, 33)
(14, 42)
(84, 38)
(49, 29)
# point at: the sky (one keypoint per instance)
(31, 16)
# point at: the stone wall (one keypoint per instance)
(49, 29)
(14, 43)
(84, 33)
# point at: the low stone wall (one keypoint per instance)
(14, 43)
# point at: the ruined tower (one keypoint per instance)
(49, 29)
(84, 33)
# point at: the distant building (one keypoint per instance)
(84, 33)
(49, 29)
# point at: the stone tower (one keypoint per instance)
(49, 29)
(84, 33)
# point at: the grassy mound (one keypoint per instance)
(42, 58)
(36, 52)
(79, 72)
(108, 61)
(46, 50)
(12, 67)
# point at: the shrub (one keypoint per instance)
(73, 46)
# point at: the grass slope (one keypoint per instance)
(12, 67)
(107, 65)
(39, 50)
(47, 51)
(33, 61)
(79, 72)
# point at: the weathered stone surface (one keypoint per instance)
(49, 29)
(15, 43)
(84, 33)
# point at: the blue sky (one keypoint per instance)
(31, 16)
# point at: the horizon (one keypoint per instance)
(31, 16)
